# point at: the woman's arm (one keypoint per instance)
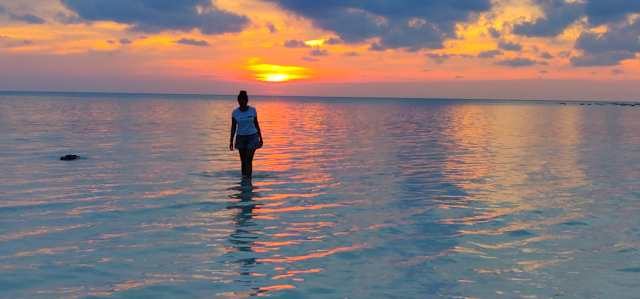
(255, 123)
(233, 132)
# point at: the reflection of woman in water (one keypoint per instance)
(247, 232)
(245, 120)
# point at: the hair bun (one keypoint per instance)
(243, 96)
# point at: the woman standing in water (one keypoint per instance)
(244, 119)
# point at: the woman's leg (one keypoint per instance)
(243, 155)
(248, 162)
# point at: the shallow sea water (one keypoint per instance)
(352, 198)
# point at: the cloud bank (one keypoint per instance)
(27, 18)
(509, 46)
(192, 42)
(153, 16)
(395, 24)
(516, 62)
(489, 54)
(294, 43)
(620, 42)
(558, 16)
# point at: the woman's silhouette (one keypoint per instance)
(244, 121)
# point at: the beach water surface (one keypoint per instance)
(351, 198)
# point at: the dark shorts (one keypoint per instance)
(248, 141)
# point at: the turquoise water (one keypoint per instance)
(352, 198)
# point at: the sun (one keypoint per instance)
(278, 73)
(276, 77)
(314, 43)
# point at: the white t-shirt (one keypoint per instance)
(245, 120)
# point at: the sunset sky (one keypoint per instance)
(512, 49)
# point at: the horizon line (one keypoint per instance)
(307, 96)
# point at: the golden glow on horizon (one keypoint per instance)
(278, 73)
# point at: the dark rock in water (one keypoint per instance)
(69, 157)
(575, 223)
(633, 270)
(520, 233)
